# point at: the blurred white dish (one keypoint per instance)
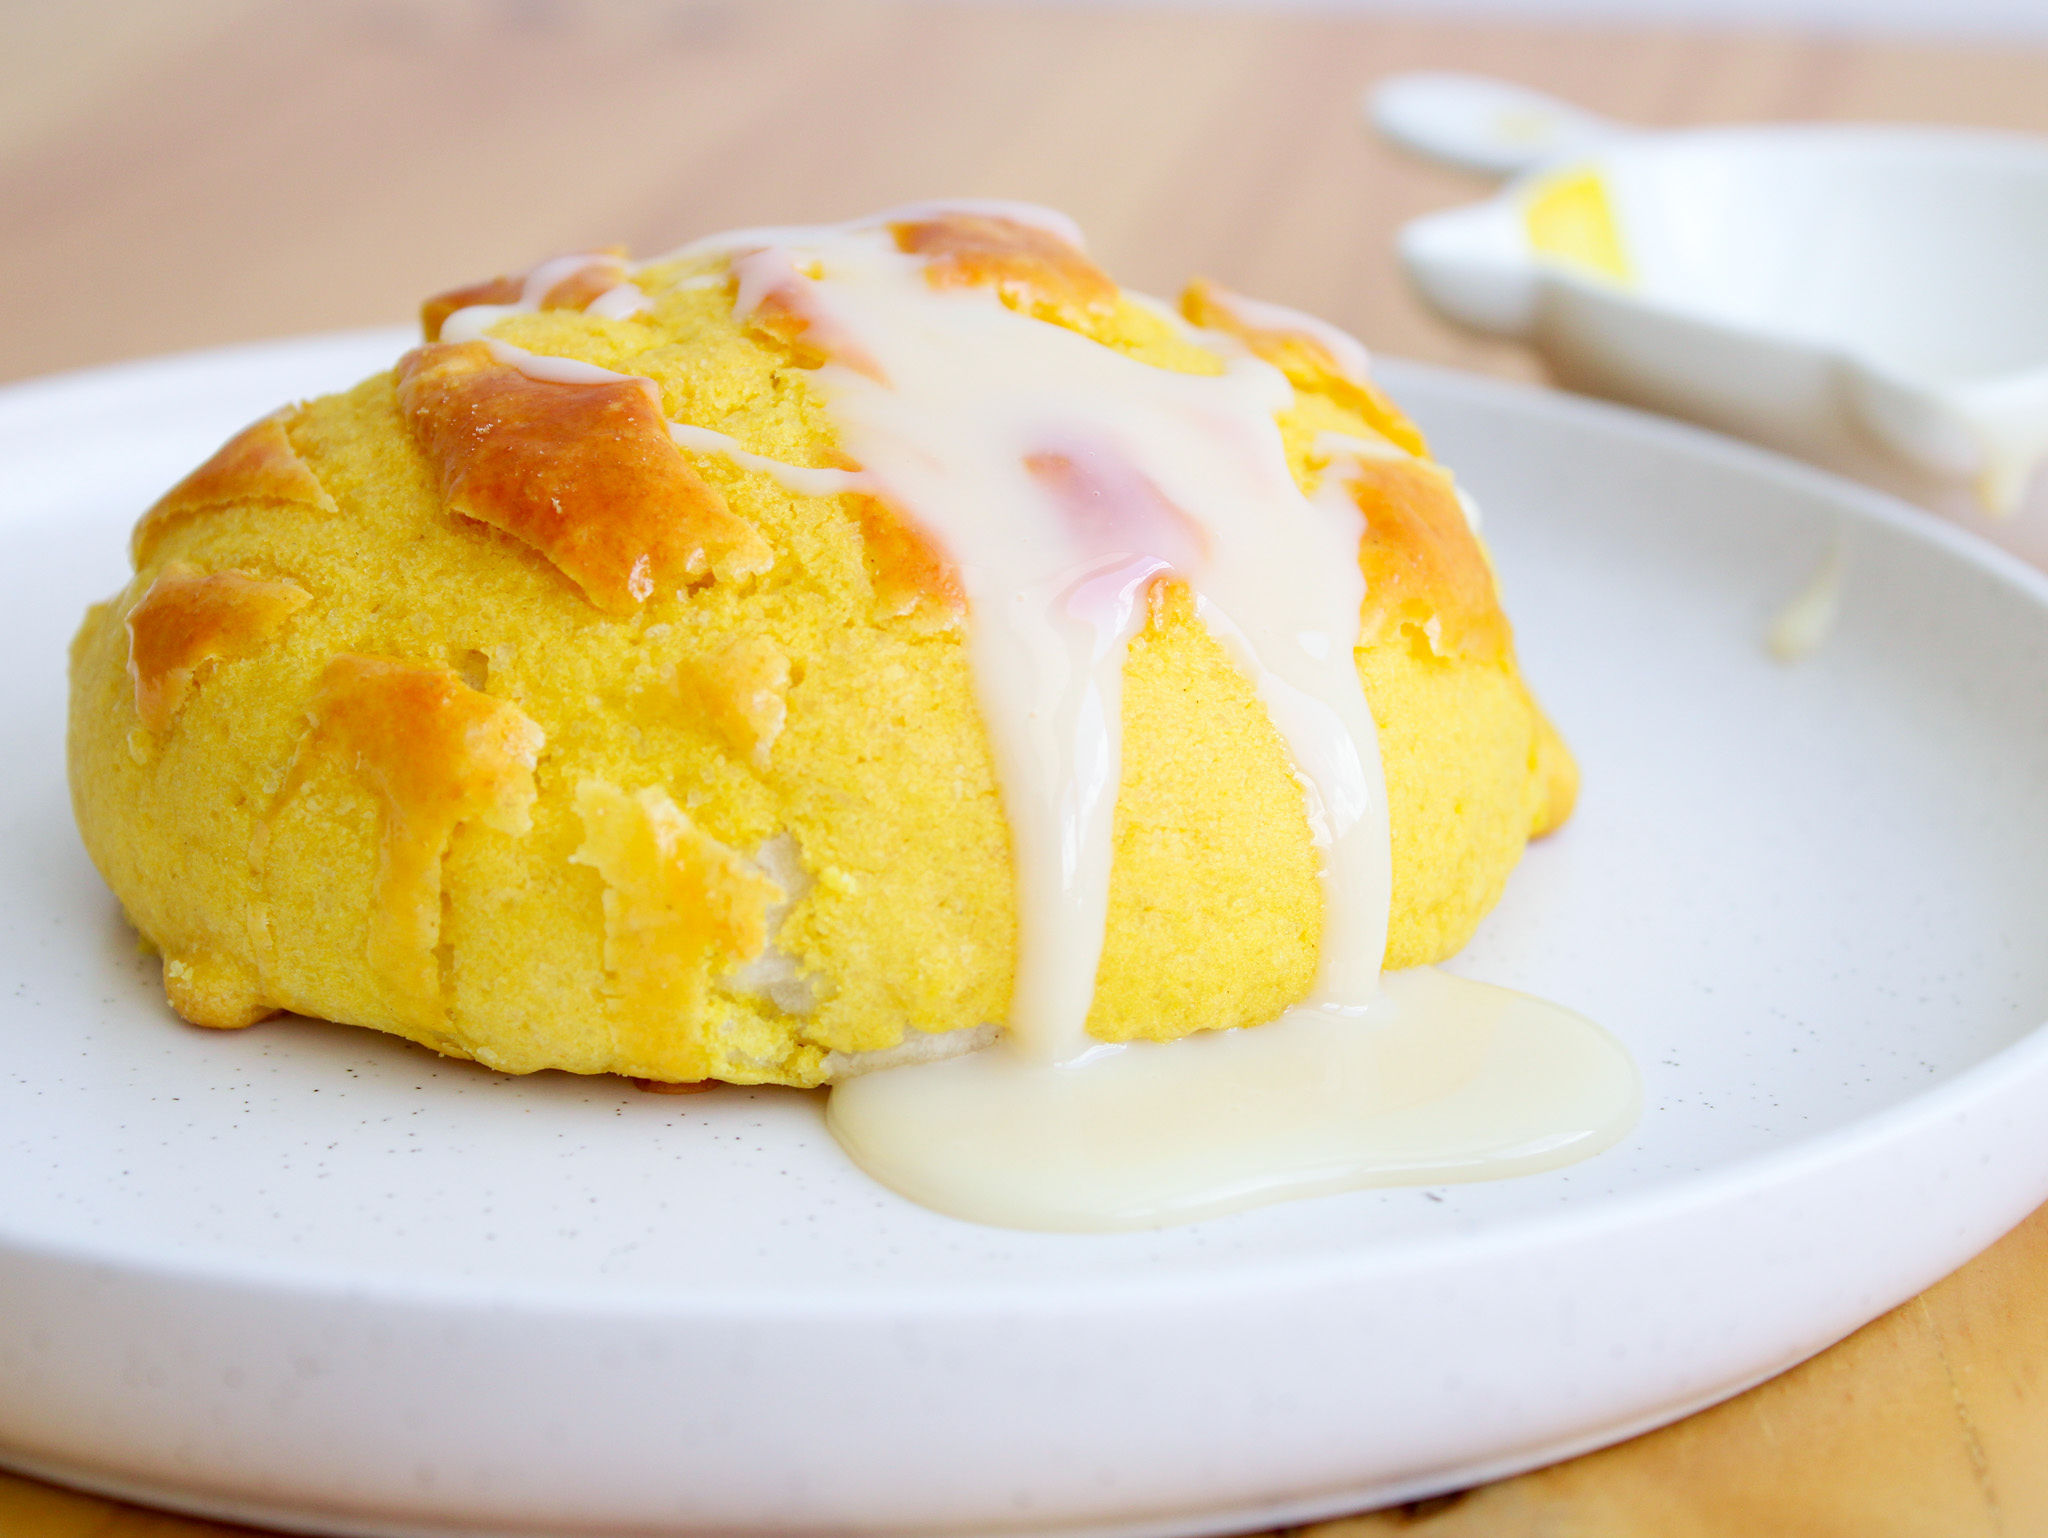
(314, 1278)
(1874, 299)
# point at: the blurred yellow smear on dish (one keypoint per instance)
(1570, 220)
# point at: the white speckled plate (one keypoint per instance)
(316, 1278)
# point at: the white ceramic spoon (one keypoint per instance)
(1481, 124)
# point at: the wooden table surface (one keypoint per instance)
(184, 173)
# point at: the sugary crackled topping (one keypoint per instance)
(1424, 567)
(909, 575)
(435, 754)
(1032, 268)
(258, 464)
(1029, 257)
(568, 283)
(584, 472)
(190, 618)
(678, 904)
(906, 570)
(1315, 356)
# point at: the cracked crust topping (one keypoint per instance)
(585, 474)
(188, 619)
(258, 464)
(676, 903)
(435, 754)
(1310, 363)
(1032, 269)
(1424, 568)
(602, 272)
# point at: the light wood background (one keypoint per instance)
(184, 173)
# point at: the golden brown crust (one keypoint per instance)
(906, 569)
(586, 474)
(1030, 268)
(434, 753)
(434, 312)
(783, 315)
(188, 619)
(1302, 356)
(600, 275)
(258, 464)
(605, 270)
(1424, 568)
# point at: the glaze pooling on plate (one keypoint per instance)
(1433, 1079)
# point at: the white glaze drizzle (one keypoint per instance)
(804, 480)
(729, 242)
(1062, 478)
(556, 269)
(551, 369)
(621, 301)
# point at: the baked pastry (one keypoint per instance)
(577, 695)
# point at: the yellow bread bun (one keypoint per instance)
(387, 729)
